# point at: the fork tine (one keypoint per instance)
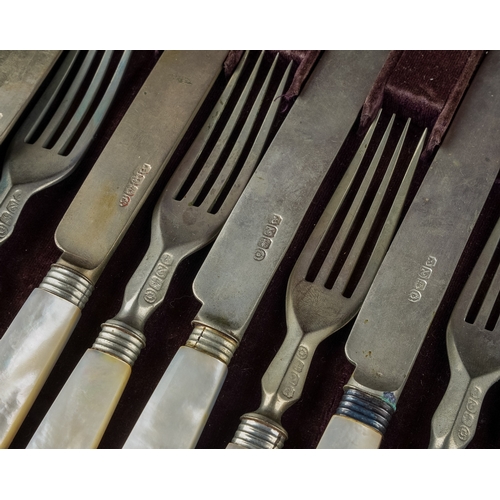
(54, 124)
(335, 250)
(80, 114)
(482, 267)
(256, 149)
(215, 154)
(390, 224)
(189, 160)
(355, 252)
(90, 129)
(317, 238)
(51, 94)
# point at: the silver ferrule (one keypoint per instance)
(212, 342)
(67, 284)
(257, 432)
(121, 341)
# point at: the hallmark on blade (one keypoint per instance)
(266, 239)
(423, 277)
(133, 185)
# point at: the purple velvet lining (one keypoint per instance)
(424, 85)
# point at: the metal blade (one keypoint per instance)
(135, 156)
(264, 221)
(21, 73)
(417, 269)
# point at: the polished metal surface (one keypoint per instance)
(473, 339)
(203, 190)
(53, 138)
(417, 269)
(257, 234)
(321, 295)
(21, 73)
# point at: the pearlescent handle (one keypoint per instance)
(28, 351)
(179, 407)
(347, 433)
(80, 414)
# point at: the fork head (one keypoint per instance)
(212, 175)
(55, 135)
(474, 323)
(336, 268)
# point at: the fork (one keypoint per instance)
(323, 293)
(190, 213)
(473, 342)
(56, 134)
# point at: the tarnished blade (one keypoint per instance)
(415, 273)
(473, 339)
(21, 73)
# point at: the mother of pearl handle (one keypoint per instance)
(28, 351)
(82, 410)
(347, 433)
(178, 409)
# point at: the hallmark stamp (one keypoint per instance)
(469, 416)
(7, 216)
(423, 276)
(292, 378)
(157, 278)
(135, 181)
(266, 240)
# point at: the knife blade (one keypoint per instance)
(21, 74)
(96, 222)
(402, 302)
(251, 245)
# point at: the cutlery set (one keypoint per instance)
(286, 209)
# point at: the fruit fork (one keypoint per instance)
(330, 280)
(473, 342)
(53, 138)
(190, 213)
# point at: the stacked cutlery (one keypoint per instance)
(189, 214)
(96, 222)
(252, 244)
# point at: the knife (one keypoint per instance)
(402, 302)
(96, 221)
(251, 245)
(21, 74)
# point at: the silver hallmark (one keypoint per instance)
(157, 278)
(266, 240)
(135, 181)
(469, 414)
(424, 274)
